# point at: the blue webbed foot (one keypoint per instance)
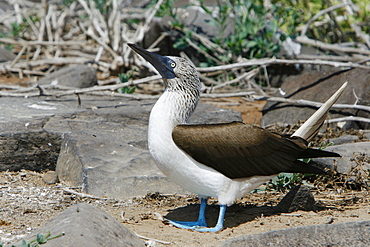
(201, 222)
(187, 224)
(200, 225)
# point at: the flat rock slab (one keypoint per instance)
(85, 225)
(356, 234)
(103, 142)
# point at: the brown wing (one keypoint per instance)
(238, 150)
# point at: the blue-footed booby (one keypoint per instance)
(224, 161)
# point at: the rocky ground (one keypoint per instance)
(27, 203)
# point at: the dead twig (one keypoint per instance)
(347, 119)
(70, 191)
(153, 239)
(311, 103)
(269, 61)
(320, 13)
(365, 37)
(332, 47)
(245, 76)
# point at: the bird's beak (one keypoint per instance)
(161, 63)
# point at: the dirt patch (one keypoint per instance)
(26, 203)
(251, 112)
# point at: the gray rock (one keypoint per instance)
(366, 134)
(195, 18)
(76, 76)
(36, 151)
(6, 55)
(50, 177)
(319, 86)
(356, 234)
(298, 198)
(103, 143)
(84, 225)
(347, 151)
(344, 139)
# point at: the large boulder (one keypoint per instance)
(85, 225)
(76, 76)
(319, 86)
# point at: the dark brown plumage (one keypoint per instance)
(239, 150)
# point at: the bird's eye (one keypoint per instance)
(173, 65)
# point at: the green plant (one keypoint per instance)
(285, 181)
(125, 77)
(332, 27)
(257, 27)
(252, 35)
(127, 89)
(40, 239)
(168, 8)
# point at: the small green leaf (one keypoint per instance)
(251, 43)
(23, 244)
(127, 89)
(40, 238)
(124, 77)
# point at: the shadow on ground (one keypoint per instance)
(236, 214)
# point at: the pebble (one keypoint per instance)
(50, 177)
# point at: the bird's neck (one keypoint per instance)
(173, 108)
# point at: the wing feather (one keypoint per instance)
(239, 150)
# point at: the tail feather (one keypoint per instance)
(311, 166)
(316, 153)
(312, 126)
(302, 167)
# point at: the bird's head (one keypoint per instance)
(177, 73)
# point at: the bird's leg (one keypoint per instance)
(201, 222)
(219, 225)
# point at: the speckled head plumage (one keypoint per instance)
(177, 73)
(181, 81)
(186, 76)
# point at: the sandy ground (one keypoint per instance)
(26, 203)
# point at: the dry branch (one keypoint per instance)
(320, 13)
(245, 76)
(311, 103)
(365, 37)
(347, 119)
(269, 61)
(319, 44)
(70, 191)
(58, 38)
